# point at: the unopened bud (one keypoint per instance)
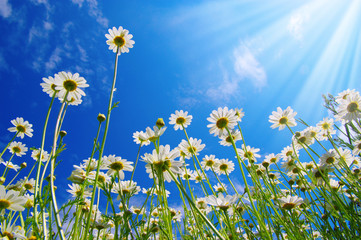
(2, 180)
(23, 165)
(160, 123)
(101, 117)
(63, 133)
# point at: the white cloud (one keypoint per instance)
(5, 9)
(226, 89)
(296, 23)
(78, 2)
(247, 66)
(53, 60)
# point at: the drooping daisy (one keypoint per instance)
(10, 165)
(290, 202)
(209, 162)
(226, 139)
(35, 154)
(224, 166)
(49, 86)
(192, 148)
(117, 165)
(152, 135)
(21, 127)
(72, 84)
(18, 148)
(350, 108)
(283, 118)
(129, 188)
(222, 202)
(180, 119)
(119, 38)
(11, 200)
(139, 140)
(220, 120)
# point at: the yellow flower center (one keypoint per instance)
(180, 120)
(283, 120)
(330, 160)
(4, 203)
(119, 41)
(223, 167)
(209, 163)
(70, 85)
(16, 149)
(20, 128)
(352, 107)
(222, 123)
(288, 206)
(117, 166)
(229, 139)
(192, 150)
(28, 186)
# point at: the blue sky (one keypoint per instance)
(190, 55)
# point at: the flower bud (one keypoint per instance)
(63, 133)
(101, 117)
(2, 180)
(23, 165)
(160, 123)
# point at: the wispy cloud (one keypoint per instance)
(78, 2)
(54, 59)
(297, 22)
(5, 9)
(247, 66)
(94, 11)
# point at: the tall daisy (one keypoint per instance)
(21, 127)
(35, 154)
(119, 38)
(222, 119)
(350, 108)
(180, 119)
(222, 202)
(283, 118)
(224, 166)
(209, 162)
(226, 139)
(18, 148)
(192, 148)
(49, 86)
(72, 84)
(117, 165)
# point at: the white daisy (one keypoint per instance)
(71, 83)
(220, 120)
(329, 158)
(209, 162)
(76, 189)
(128, 188)
(35, 154)
(350, 108)
(192, 148)
(139, 140)
(119, 38)
(152, 135)
(10, 165)
(224, 166)
(249, 153)
(283, 118)
(290, 202)
(11, 200)
(226, 140)
(21, 127)
(49, 86)
(239, 114)
(180, 119)
(18, 148)
(356, 147)
(222, 202)
(326, 127)
(220, 188)
(117, 165)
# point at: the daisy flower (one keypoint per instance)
(344, 94)
(224, 166)
(222, 202)
(119, 39)
(270, 158)
(193, 147)
(125, 188)
(249, 153)
(329, 158)
(21, 127)
(226, 140)
(350, 108)
(209, 162)
(139, 140)
(117, 165)
(356, 147)
(288, 153)
(239, 114)
(11, 200)
(290, 202)
(303, 138)
(35, 154)
(220, 188)
(76, 189)
(163, 161)
(49, 86)
(10, 165)
(188, 174)
(220, 120)
(180, 119)
(17, 148)
(283, 118)
(72, 84)
(152, 135)
(326, 127)
(137, 210)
